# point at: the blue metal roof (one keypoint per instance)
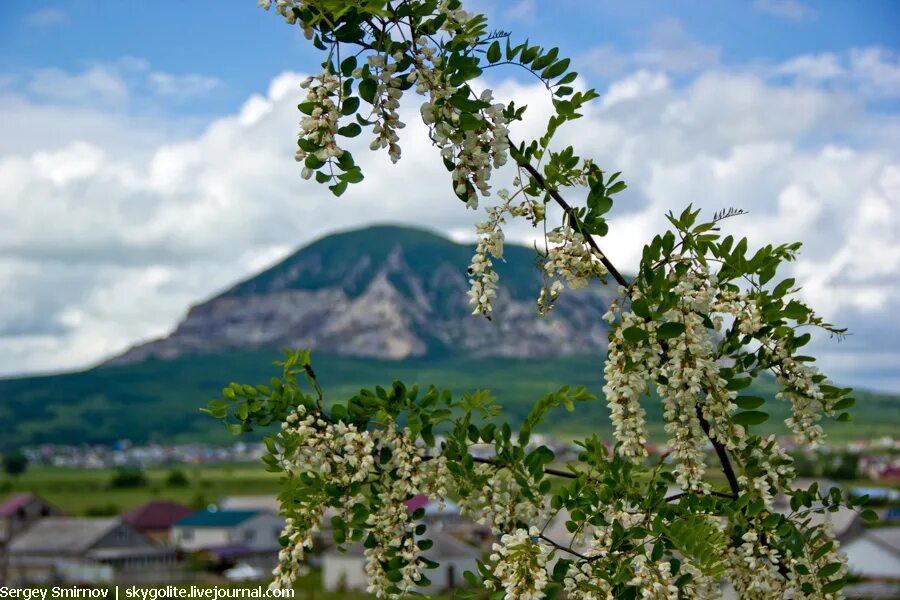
(217, 518)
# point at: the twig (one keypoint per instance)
(573, 218)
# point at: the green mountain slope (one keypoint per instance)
(160, 400)
(357, 299)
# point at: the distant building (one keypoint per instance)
(20, 511)
(875, 554)
(87, 551)
(343, 571)
(266, 503)
(209, 529)
(155, 519)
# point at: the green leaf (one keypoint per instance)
(833, 586)
(843, 404)
(350, 106)
(828, 570)
(493, 52)
(749, 402)
(751, 417)
(796, 311)
(556, 69)
(669, 330)
(640, 308)
(634, 334)
(869, 515)
(367, 89)
(350, 130)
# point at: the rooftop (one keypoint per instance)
(159, 514)
(14, 503)
(62, 535)
(217, 518)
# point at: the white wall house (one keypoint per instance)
(205, 529)
(346, 570)
(875, 554)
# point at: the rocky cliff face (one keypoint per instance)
(385, 292)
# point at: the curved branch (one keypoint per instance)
(571, 213)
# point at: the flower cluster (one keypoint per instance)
(520, 565)
(343, 457)
(803, 579)
(474, 152)
(482, 276)
(339, 454)
(654, 580)
(387, 102)
(570, 259)
(772, 470)
(626, 370)
(685, 368)
(582, 582)
(753, 569)
(321, 125)
(801, 386)
(495, 497)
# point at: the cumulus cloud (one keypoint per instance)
(871, 72)
(792, 10)
(665, 46)
(182, 86)
(46, 17)
(106, 247)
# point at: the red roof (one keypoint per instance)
(159, 514)
(14, 503)
(416, 502)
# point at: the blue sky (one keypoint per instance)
(146, 160)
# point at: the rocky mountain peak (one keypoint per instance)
(385, 292)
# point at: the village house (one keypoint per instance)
(342, 571)
(207, 529)
(227, 538)
(874, 554)
(155, 518)
(87, 551)
(20, 511)
(250, 502)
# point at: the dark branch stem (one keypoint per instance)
(573, 219)
(569, 550)
(722, 453)
(674, 497)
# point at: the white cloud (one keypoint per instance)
(134, 237)
(638, 85)
(46, 17)
(666, 47)
(182, 86)
(793, 10)
(815, 67)
(98, 85)
(872, 72)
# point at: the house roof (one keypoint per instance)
(887, 537)
(62, 535)
(160, 514)
(14, 503)
(260, 502)
(217, 518)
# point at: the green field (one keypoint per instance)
(160, 400)
(79, 492)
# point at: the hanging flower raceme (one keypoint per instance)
(320, 127)
(520, 565)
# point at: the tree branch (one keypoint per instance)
(722, 453)
(572, 218)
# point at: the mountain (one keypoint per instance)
(386, 292)
(376, 304)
